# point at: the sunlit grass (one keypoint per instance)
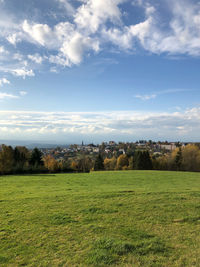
(125, 218)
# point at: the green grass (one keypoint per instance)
(125, 218)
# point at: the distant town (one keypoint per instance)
(112, 148)
(109, 149)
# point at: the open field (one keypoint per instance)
(125, 218)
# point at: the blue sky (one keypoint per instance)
(98, 70)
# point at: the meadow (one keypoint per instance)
(119, 218)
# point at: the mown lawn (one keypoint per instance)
(125, 218)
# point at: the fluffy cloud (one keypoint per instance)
(69, 43)
(4, 81)
(70, 40)
(75, 48)
(41, 33)
(93, 13)
(185, 34)
(14, 38)
(94, 25)
(22, 72)
(180, 36)
(36, 58)
(129, 125)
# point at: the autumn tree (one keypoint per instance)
(84, 164)
(122, 162)
(74, 165)
(50, 163)
(161, 163)
(131, 163)
(191, 158)
(65, 165)
(110, 164)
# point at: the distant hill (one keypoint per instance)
(31, 144)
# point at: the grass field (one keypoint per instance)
(125, 218)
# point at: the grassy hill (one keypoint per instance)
(125, 218)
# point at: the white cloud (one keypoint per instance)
(146, 97)
(14, 38)
(18, 57)
(93, 13)
(75, 48)
(70, 44)
(183, 34)
(181, 37)
(121, 38)
(126, 36)
(59, 60)
(2, 50)
(4, 81)
(41, 33)
(22, 72)
(36, 58)
(5, 96)
(54, 70)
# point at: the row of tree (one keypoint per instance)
(21, 160)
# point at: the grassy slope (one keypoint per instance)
(130, 218)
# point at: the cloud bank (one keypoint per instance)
(75, 126)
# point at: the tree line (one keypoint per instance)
(20, 160)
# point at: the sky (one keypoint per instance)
(99, 70)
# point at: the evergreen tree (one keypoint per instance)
(21, 157)
(138, 158)
(36, 158)
(178, 159)
(21, 154)
(142, 160)
(99, 163)
(147, 161)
